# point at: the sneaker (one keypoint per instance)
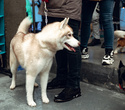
(108, 58)
(55, 84)
(94, 42)
(85, 54)
(67, 94)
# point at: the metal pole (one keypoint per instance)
(33, 8)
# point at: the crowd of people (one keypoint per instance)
(81, 13)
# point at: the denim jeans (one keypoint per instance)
(69, 62)
(106, 18)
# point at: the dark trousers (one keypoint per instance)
(68, 62)
(106, 18)
(116, 15)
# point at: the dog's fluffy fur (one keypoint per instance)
(35, 53)
(121, 75)
(120, 41)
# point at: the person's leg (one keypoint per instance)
(95, 25)
(116, 15)
(74, 65)
(87, 11)
(95, 29)
(106, 15)
(74, 59)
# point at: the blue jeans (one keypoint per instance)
(106, 18)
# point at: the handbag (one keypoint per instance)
(122, 19)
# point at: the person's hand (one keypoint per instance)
(45, 0)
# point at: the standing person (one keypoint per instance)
(95, 27)
(68, 62)
(106, 15)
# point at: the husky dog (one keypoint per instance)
(35, 53)
(121, 76)
(120, 41)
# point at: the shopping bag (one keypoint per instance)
(122, 19)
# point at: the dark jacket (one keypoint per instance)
(63, 8)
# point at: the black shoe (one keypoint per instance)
(94, 42)
(55, 83)
(67, 94)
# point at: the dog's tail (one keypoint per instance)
(25, 25)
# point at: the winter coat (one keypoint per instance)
(63, 8)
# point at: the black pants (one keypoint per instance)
(68, 62)
(116, 15)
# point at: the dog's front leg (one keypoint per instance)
(44, 79)
(30, 80)
(117, 50)
(121, 50)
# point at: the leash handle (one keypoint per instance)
(45, 12)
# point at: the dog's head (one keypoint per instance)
(67, 39)
(121, 75)
(59, 35)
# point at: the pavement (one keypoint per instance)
(93, 97)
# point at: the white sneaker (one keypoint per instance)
(85, 54)
(108, 58)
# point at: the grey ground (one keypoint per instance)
(93, 97)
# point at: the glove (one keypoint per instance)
(45, 1)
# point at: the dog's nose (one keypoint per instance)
(79, 43)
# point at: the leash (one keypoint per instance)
(33, 9)
(45, 12)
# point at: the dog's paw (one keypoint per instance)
(32, 103)
(115, 52)
(45, 100)
(36, 85)
(12, 87)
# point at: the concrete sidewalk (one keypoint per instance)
(93, 97)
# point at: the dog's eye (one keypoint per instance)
(69, 35)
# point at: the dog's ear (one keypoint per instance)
(120, 64)
(64, 23)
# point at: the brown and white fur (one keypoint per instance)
(35, 53)
(120, 41)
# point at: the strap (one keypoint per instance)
(45, 12)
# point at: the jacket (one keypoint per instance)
(63, 8)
